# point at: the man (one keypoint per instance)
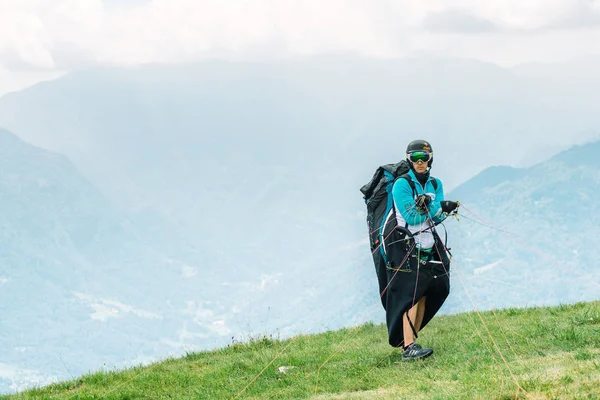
(418, 266)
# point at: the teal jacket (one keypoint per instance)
(405, 202)
(407, 215)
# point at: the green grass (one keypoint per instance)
(536, 353)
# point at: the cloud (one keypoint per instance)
(457, 21)
(583, 15)
(509, 17)
(24, 37)
(161, 32)
(183, 30)
(517, 15)
(125, 4)
(71, 34)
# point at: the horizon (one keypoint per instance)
(23, 80)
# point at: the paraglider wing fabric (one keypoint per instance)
(382, 277)
(408, 284)
(378, 198)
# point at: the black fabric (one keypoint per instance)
(422, 178)
(412, 183)
(377, 195)
(448, 206)
(408, 283)
(387, 242)
(370, 189)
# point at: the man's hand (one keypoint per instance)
(449, 206)
(421, 203)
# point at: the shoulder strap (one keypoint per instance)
(434, 182)
(410, 182)
(412, 186)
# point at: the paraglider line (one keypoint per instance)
(534, 249)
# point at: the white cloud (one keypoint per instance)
(457, 21)
(69, 34)
(517, 14)
(164, 30)
(23, 33)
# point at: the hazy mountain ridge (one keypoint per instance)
(77, 284)
(228, 202)
(83, 286)
(201, 145)
(543, 223)
(333, 106)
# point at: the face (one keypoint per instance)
(420, 166)
(420, 160)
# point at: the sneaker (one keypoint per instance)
(415, 351)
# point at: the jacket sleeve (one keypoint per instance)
(405, 202)
(435, 207)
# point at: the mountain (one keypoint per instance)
(144, 133)
(529, 233)
(218, 200)
(218, 147)
(78, 282)
(244, 156)
(85, 285)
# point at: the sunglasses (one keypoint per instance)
(416, 156)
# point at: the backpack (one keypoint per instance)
(380, 208)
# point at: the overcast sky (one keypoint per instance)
(42, 38)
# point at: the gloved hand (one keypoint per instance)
(448, 206)
(421, 202)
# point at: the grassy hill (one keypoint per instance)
(535, 353)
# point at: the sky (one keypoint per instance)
(41, 39)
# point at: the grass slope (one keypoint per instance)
(537, 353)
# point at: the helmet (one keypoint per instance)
(419, 145)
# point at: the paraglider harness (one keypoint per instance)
(380, 212)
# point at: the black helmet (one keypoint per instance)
(419, 145)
